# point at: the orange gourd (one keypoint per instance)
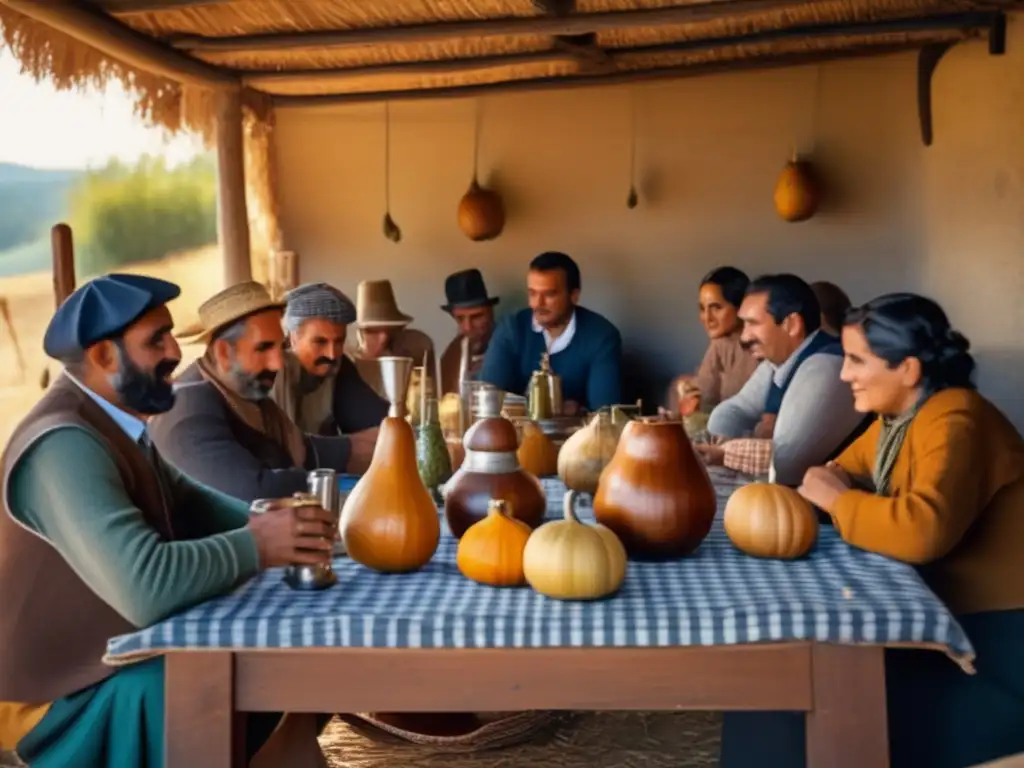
(389, 522)
(797, 191)
(481, 213)
(537, 454)
(491, 551)
(769, 520)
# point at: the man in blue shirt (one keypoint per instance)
(585, 348)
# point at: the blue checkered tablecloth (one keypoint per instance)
(717, 596)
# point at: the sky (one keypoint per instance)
(43, 128)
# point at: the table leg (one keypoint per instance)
(200, 729)
(847, 727)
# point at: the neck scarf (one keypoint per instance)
(890, 443)
(265, 416)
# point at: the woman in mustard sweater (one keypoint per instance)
(937, 481)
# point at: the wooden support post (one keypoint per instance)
(233, 216)
(62, 245)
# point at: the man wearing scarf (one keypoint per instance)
(319, 387)
(225, 430)
(100, 537)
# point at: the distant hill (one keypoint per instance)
(31, 201)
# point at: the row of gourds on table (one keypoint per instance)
(652, 499)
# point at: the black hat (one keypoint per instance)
(465, 290)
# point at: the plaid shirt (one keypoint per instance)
(750, 455)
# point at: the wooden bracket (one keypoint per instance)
(928, 59)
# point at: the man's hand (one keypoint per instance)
(363, 443)
(822, 486)
(840, 473)
(766, 426)
(293, 535)
(713, 455)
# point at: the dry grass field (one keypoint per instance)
(31, 304)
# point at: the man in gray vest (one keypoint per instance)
(99, 537)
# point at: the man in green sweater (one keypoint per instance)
(100, 537)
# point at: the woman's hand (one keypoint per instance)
(822, 486)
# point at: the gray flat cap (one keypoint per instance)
(318, 300)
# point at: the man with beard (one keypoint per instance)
(794, 408)
(225, 431)
(473, 311)
(585, 348)
(319, 387)
(100, 537)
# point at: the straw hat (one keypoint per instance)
(224, 308)
(376, 306)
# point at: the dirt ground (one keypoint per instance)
(30, 298)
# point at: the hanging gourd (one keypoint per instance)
(391, 230)
(491, 551)
(537, 454)
(570, 560)
(633, 198)
(655, 494)
(481, 214)
(389, 522)
(770, 520)
(584, 455)
(798, 191)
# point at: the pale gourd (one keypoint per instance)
(797, 191)
(491, 550)
(570, 560)
(537, 454)
(586, 453)
(769, 520)
(389, 522)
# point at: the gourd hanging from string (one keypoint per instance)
(632, 199)
(798, 190)
(481, 213)
(391, 230)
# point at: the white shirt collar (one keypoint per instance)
(557, 345)
(130, 425)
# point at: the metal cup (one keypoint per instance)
(301, 577)
(323, 483)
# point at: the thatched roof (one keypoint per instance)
(317, 51)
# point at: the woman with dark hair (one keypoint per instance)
(937, 481)
(726, 365)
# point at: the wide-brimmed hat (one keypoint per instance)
(226, 307)
(376, 306)
(465, 290)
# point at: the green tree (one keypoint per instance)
(123, 214)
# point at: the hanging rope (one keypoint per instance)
(477, 119)
(387, 156)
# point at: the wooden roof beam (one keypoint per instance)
(130, 7)
(573, 24)
(114, 39)
(604, 61)
(586, 81)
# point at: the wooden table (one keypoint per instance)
(840, 687)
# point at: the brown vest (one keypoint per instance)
(53, 627)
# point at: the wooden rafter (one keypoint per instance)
(604, 60)
(586, 81)
(575, 24)
(122, 43)
(128, 7)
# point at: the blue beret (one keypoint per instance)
(101, 309)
